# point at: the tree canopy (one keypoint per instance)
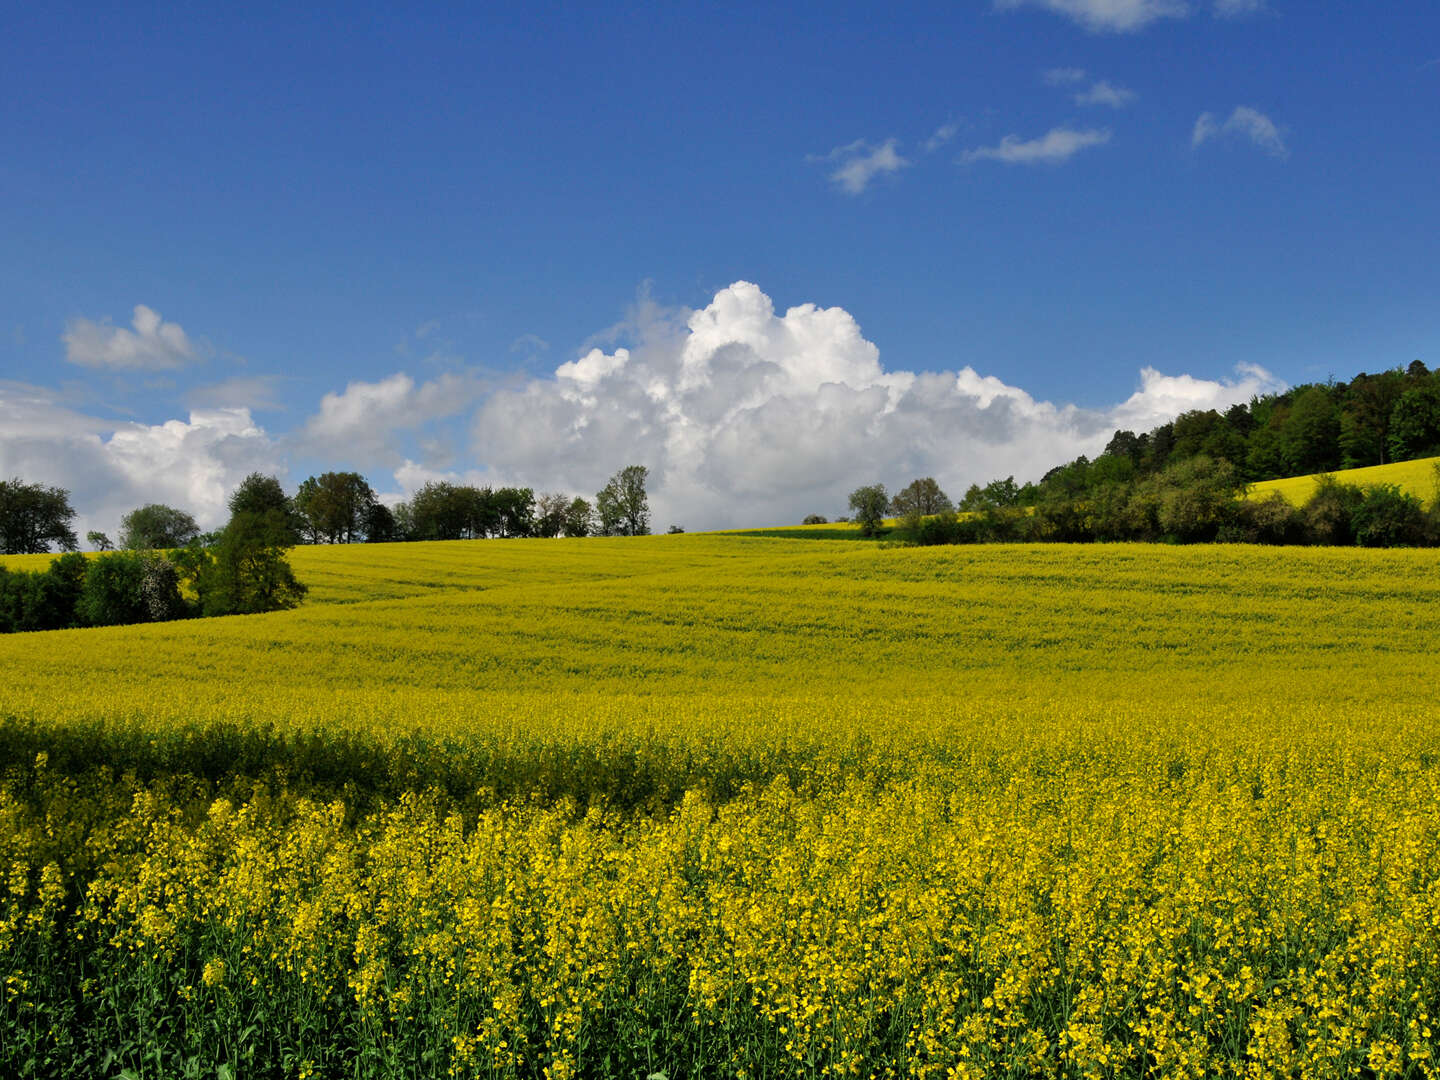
(34, 517)
(622, 504)
(156, 527)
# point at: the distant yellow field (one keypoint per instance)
(1419, 478)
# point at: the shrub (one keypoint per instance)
(1388, 517)
(1271, 520)
(113, 591)
(1329, 512)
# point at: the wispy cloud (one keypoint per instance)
(943, 134)
(858, 163)
(255, 392)
(531, 344)
(1238, 9)
(1063, 76)
(1104, 93)
(1114, 16)
(1055, 146)
(1244, 123)
(153, 344)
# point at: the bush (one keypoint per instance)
(1271, 520)
(113, 591)
(1329, 512)
(941, 528)
(815, 519)
(1388, 517)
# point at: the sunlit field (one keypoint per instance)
(731, 806)
(1420, 478)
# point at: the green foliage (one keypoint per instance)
(440, 511)
(1388, 517)
(867, 507)
(34, 517)
(941, 528)
(513, 511)
(334, 507)
(919, 499)
(550, 514)
(1271, 520)
(1415, 423)
(157, 527)
(380, 525)
(579, 517)
(113, 591)
(1196, 499)
(1310, 441)
(1330, 511)
(259, 494)
(44, 600)
(622, 506)
(99, 541)
(247, 571)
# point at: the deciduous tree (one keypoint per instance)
(33, 517)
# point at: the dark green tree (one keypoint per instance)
(441, 511)
(1388, 517)
(33, 517)
(1310, 440)
(550, 514)
(334, 506)
(259, 494)
(622, 505)
(514, 510)
(579, 517)
(920, 498)
(112, 594)
(380, 525)
(247, 571)
(157, 527)
(867, 508)
(1415, 423)
(1365, 418)
(99, 541)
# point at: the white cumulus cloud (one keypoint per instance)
(1055, 146)
(747, 416)
(153, 344)
(1244, 123)
(859, 162)
(359, 424)
(111, 467)
(1117, 16)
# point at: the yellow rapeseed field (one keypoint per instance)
(728, 806)
(1420, 478)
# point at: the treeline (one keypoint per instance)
(1312, 428)
(342, 508)
(1198, 500)
(241, 569)
(1183, 482)
(167, 568)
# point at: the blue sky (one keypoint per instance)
(1022, 223)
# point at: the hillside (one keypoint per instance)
(1419, 478)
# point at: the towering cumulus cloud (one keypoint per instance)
(747, 417)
